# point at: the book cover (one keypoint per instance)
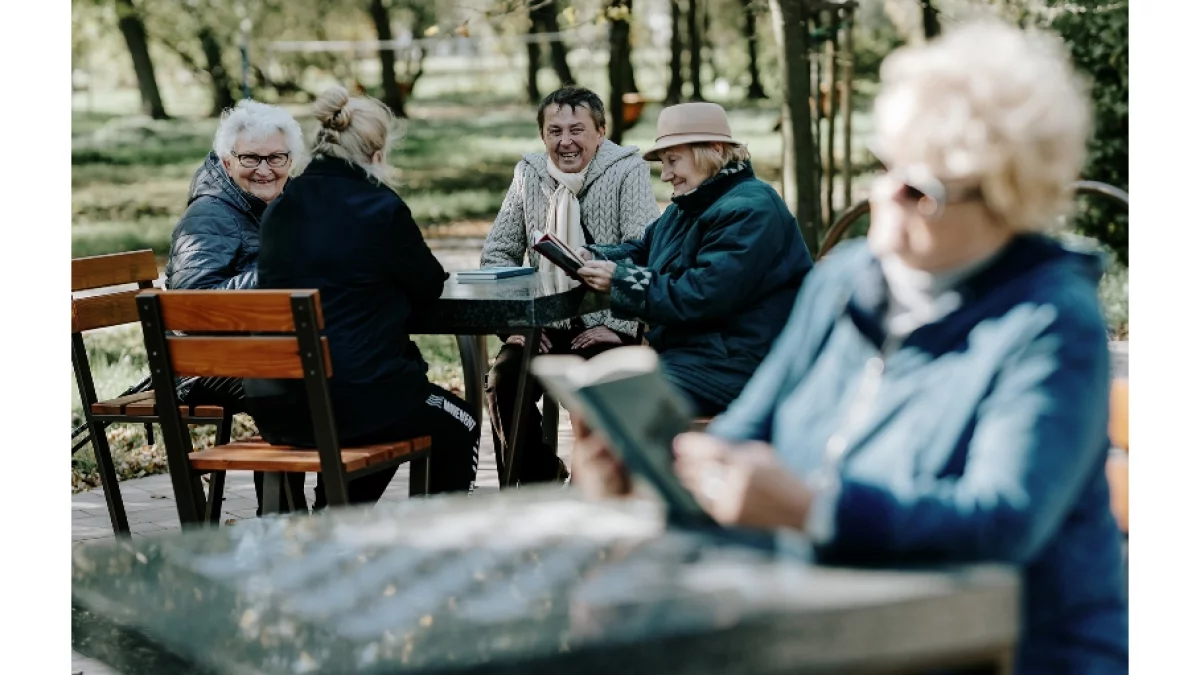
(623, 396)
(556, 251)
(492, 273)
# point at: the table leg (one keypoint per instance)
(472, 350)
(272, 492)
(533, 340)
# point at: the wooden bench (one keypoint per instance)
(103, 310)
(265, 334)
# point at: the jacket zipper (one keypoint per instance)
(864, 400)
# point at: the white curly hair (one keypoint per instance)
(255, 121)
(992, 103)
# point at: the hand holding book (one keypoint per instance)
(638, 422)
(557, 252)
(598, 275)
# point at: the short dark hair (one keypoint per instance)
(572, 96)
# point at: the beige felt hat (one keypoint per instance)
(690, 123)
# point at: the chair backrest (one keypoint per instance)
(269, 334)
(248, 333)
(102, 271)
(101, 310)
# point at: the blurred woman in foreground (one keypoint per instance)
(940, 394)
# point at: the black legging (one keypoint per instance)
(454, 450)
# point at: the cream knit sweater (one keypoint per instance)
(616, 204)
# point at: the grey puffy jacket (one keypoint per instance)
(215, 243)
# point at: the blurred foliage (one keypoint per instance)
(1097, 32)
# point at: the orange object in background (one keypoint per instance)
(1117, 467)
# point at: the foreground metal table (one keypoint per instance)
(529, 582)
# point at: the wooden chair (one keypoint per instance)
(256, 334)
(104, 310)
(1117, 467)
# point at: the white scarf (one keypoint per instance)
(562, 218)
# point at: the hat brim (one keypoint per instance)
(673, 140)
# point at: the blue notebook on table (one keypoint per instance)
(493, 273)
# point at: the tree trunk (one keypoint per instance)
(929, 17)
(393, 97)
(134, 32)
(533, 53)
(750, 32)
(790, 22)
(618, 62)
(630, 82)
(222, 85)
(547, 17)
(694, 49)
(675, 86)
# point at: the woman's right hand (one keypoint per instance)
(598, 275)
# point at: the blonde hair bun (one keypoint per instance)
(331, 108)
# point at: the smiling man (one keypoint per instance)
(585, 189)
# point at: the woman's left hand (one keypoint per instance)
(598, 274)
(741, 484)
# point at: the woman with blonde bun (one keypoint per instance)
(341, 228)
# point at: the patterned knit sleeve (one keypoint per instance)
(505, 245)
(638, 208)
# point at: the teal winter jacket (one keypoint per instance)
(714, 279)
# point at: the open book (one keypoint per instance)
(556, 251)
(623, 396)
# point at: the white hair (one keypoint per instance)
(992, 103)
(254, 121)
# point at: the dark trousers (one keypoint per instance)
(226, 392)
(539, 463)
(453, 430)
(702, 406)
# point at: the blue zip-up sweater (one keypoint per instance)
(983, 436)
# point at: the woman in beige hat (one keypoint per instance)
(715, 277)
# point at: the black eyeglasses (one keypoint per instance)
(274, 160)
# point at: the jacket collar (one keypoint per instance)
(698, 200)
(867, 301)
(323, 165)
(212, 180)
(608, 154)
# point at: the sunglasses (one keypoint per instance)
(929, 195)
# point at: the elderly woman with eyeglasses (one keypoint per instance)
(940, 394)
(215, 243)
